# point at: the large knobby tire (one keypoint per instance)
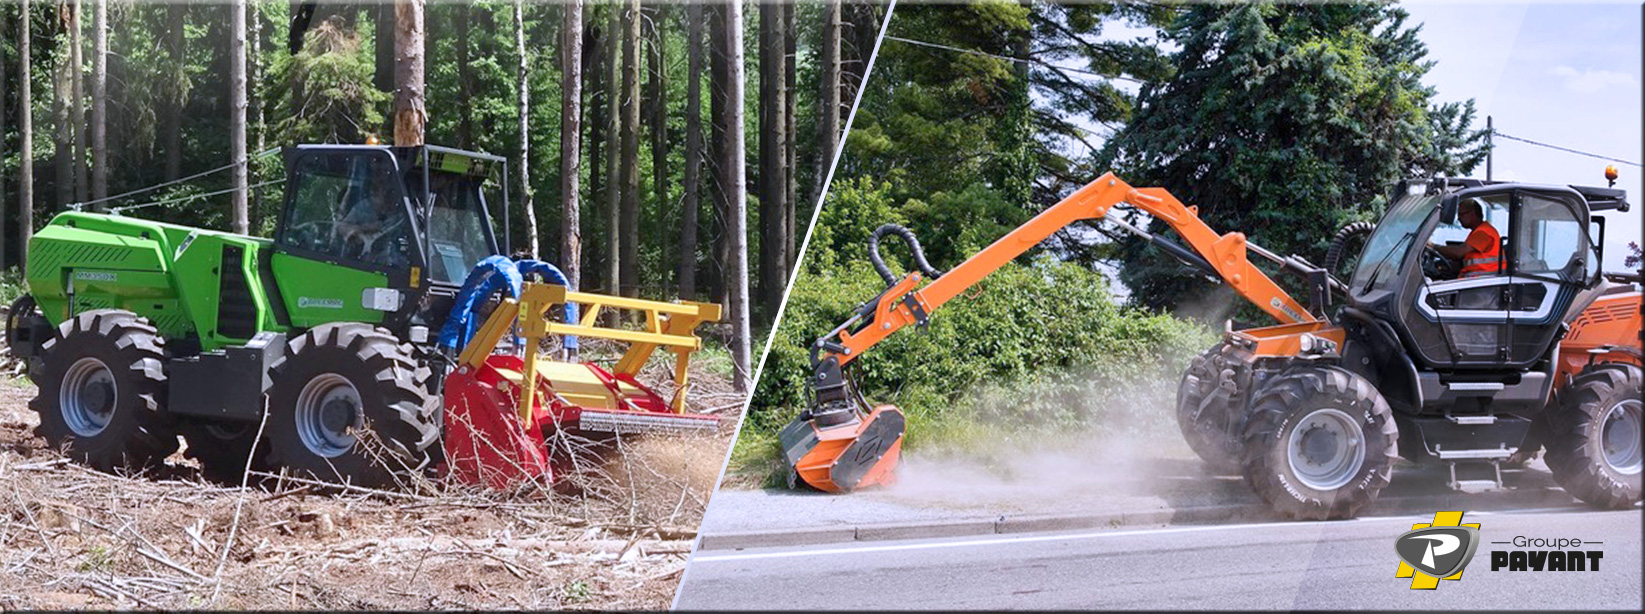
(102, 390)
(349, 405)
(1594, 436)
(1320, 443)
(1207, 431)
(223, 448)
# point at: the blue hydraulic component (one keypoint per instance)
(490, 275)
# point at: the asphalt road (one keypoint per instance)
(1263, 566)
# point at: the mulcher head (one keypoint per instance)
(840, 443)
(515, 414)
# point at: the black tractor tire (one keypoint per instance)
(102, 392)
(1339, 405)
(1216, 443)
(223, 447)
(349, 405)
(1586, 431)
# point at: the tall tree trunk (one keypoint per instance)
(410, 116)
(773, 148)
(63, 84)
(173, 121)
(465, 78)
(25, 147)
(613, 151)
(594, 42)
(254, 76)
(657, 97)
(237, 114)
(629, 230)
(383, 45)
(571, 98)
(828, 98)
(687, 274)
(522, 84)
(790, 138)
(99, 103)
(5, 115)
(860, 32)
(718, 91)
(737, 226)
(77, 81)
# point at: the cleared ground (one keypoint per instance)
(72, 538)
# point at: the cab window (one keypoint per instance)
(349, 207)
(1549, 240)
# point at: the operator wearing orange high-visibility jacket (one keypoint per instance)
(1481, 252)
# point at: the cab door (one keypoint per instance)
(1552, 258)
(346, 229)
(1510, 318)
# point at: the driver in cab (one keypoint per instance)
(1481, 253)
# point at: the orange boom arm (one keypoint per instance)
(839, 444)
(1225, 255)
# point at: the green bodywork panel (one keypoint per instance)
(172, 275)
(317, 292)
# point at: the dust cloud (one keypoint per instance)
(1110, 440)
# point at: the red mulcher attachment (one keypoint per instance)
(498, 431)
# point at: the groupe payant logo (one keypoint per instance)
(1439, 550)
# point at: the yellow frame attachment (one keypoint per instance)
(670, 325)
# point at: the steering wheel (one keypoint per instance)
(1436, 266)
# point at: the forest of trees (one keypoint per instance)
(655, 150)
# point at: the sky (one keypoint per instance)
(1566, 74)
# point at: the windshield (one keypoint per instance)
(1386, 249)
(457, 233)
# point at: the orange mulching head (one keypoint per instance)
(840, 444)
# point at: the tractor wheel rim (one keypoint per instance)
(1326, 449)
(327, 392)
(1620, 437)
(88, 396)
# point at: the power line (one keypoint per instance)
(81, 205)
(1564, 149)
(196, 196)
(1011, 59)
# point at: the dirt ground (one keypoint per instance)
(75, 538)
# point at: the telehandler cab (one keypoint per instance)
(355, 331)
(1314, 411)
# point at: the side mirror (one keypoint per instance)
(1448, 210)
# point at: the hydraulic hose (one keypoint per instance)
(490, 275)
(1333, 254)
(554, 275)
(913, 246)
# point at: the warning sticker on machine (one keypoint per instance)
(304, 302)
(96, 276)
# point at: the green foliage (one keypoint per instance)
(1284, 123)
(324, 93)
(12, 285)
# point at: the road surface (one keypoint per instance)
(1261, 566)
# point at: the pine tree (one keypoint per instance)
(571, 95)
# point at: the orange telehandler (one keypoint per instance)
(1416, 363)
